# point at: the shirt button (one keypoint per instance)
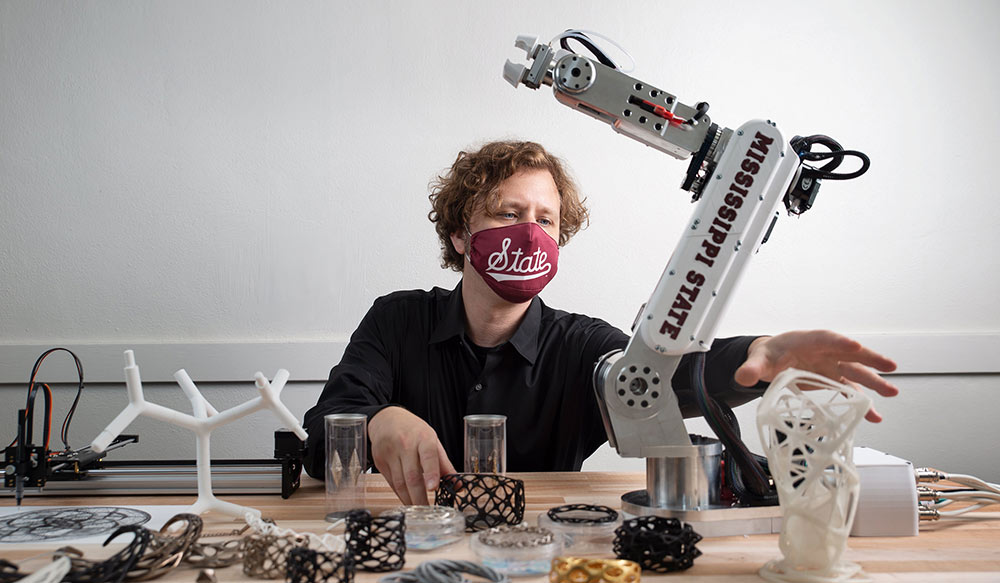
(478, 387)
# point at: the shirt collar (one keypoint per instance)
(451, 323)
(451, 318)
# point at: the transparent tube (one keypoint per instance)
(346, 460)
(485, 444)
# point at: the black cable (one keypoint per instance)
(33, 389)
(702, 109)
(589, 45)
(746, 472)
(803, 147)
(29, 418)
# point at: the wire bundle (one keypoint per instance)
(746, 472)
(586, 38)
(29, 407)
(979, 493)
(836, 154)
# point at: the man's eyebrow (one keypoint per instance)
(544, 209)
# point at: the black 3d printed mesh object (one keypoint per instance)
(376, 543)
(116, 567)
(165, 550)
(486, 500)
(9, 572)
(582, 514)
(658, 544)
(309, 566)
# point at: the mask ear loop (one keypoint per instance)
(468, 244)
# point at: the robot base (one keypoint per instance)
(712, 520)
(685, 482)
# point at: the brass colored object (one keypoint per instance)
(584, 570)
(230, 532)
(218, 555)
(165, 551)
(266, 556)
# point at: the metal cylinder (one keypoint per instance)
(688, 482)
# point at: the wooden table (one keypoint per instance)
(959, 549)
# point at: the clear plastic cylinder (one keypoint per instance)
(346, 460)
(485, 444)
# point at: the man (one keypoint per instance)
(422, 360)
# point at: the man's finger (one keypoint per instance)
(413, 477)
(445, 463)
(869, 357)
(863, 375)
(396, 480)
(428, 452)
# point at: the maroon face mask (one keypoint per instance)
(516, 261)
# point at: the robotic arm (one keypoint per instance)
(737, 179)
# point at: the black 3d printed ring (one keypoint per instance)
(592, 514)
(658, 544)
(306, 565)
(486, 500)
(376, 543)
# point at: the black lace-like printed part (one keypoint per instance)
(658, 544)
(376, 544)
(166, 551)
(309, 566)
(486, 500)
(591, 514)
(54, 524)
(9, 572)
(116, 567)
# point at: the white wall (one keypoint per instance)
(237, 176)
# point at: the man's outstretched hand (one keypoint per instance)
(820, 351)
(408, 453)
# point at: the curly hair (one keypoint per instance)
(473, 184)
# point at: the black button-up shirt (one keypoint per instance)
(411, 350)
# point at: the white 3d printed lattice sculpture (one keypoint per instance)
(205, 419)
(808, 436)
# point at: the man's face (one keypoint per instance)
(528, 196)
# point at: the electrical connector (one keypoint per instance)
(927, 514)
(928, 475)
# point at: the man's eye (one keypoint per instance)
(508, 215)
(544, 222)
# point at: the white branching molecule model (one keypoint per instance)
(204, 420)
(808, 436)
